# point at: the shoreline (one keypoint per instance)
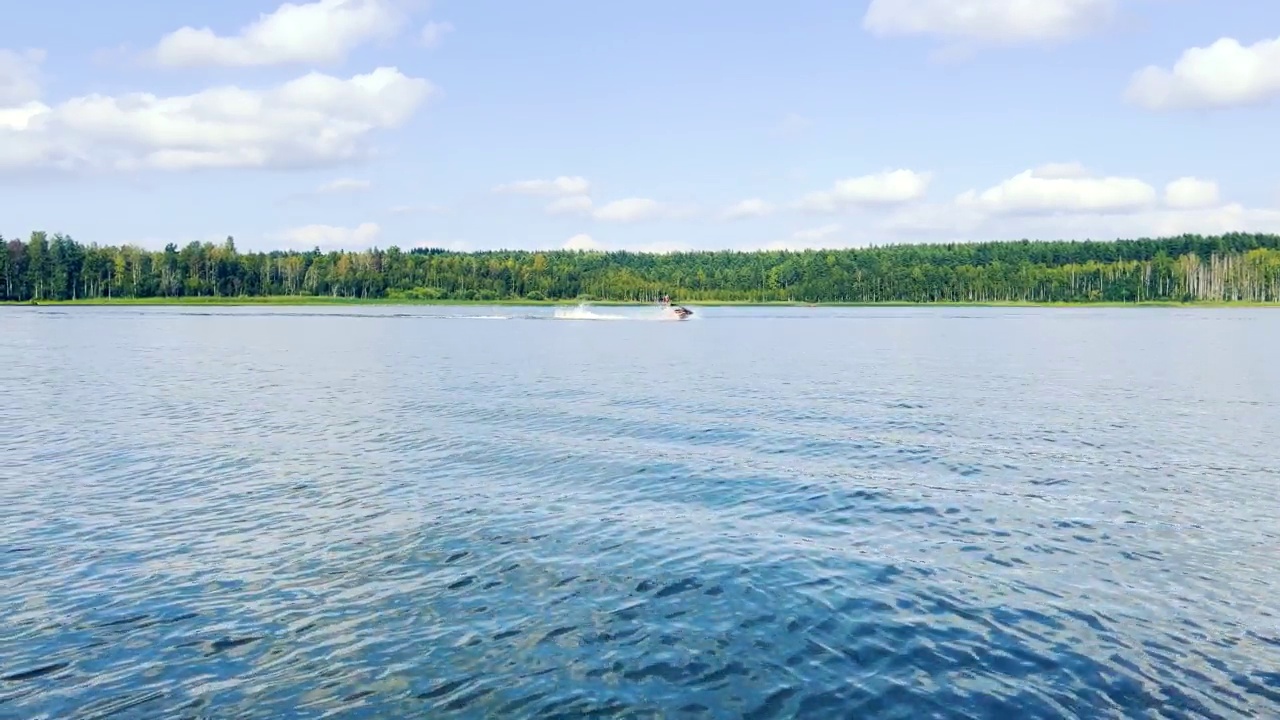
(302, 301)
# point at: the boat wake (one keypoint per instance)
(583, 311)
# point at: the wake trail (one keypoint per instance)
(583, 311)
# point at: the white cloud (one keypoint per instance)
(571, 205)
(433, 33)
(952, 223)
(631, 210)
(560, 186)
(815, 233)
(663, 248)
(454, 245)
(321, 32)
(808, 239)
(1064, 201)
(1190, 192)
(314, 120)
(332, 237)
(989, 21)
(1048, 189)
(885, 188)
(1224, 74)
(940, 222)
(19, 77)
(343, 185)
(582, 242)
(572, 197)
(1154, 222)
(754, 207)
(1232, 217)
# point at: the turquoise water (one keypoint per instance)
(496, 512)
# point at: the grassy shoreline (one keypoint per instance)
(296, 301)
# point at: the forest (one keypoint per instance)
(1190, 268)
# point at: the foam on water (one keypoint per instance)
(583, 311)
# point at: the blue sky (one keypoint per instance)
(825, 123)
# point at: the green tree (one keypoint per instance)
(1235, 266)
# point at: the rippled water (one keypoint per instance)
(392, 512)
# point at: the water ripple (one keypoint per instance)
(374, 512)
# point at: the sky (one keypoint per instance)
(658, 126)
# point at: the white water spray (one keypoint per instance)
(583, 311)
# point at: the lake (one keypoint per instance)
(381, 511)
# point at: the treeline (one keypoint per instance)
(1233, 267)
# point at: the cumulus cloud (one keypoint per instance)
(1060, 187)
(571, 205)
(808, 239)
(345, 185)
(452, 245)
(989, 21)
(572, 197)
(321, 32)
(813, 234)
(19, 77)
(754, 207)
(582, 241)
(663, 248)
(935, 222)
(1190, 192)
(1065, 201)
(1153, 222)
(1224, 74)
(314, 120)
(563, 185)
(433, 33)
(885, 188)
(632, 210)
(952, 223)
(331, 237)
(627, 210)
(1216, 220)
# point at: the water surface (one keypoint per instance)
(497, 512)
